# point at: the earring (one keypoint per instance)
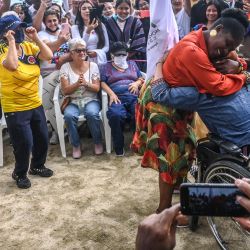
(213, 33)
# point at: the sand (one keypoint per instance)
(91, 203)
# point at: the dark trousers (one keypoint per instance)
(117, 115)
(28, 132)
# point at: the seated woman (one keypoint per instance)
(81, 81)
(201, 48)
(121, 79)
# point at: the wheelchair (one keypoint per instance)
(220, 161)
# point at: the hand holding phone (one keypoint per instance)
(65, 28)
(212, 200)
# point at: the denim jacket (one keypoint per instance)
(227, 116)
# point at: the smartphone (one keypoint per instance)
(144, 13)
(211, 200)
(65, 28)
(96, 13)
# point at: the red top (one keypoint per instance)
(188, 65)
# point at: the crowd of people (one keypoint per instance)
(86, 46)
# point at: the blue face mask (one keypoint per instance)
(19, 36)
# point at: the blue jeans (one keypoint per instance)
(117, 115)
(28, 132)
(91, 112)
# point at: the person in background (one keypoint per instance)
(121, 79)
(213, 12)
(80, 80)
(108, 10)
(198, 11)
(182, 10)
(126, 28)
(73, 11)
(22, 106)
(57, 42)
(23, 13)
(93, 32)
(4, 6)
(34, 7)
(143, 5)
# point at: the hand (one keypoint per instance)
(80, 81)
(157, 231)
(10, 35)
(63, 38)
(113, 98)
(246, 7)
(45, 4)
(31, 33)
(91, 54)
(244, 186)
(227, 66)
(134, 87)
(91, 26)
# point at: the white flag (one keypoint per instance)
(163, 33)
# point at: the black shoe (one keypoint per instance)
(21, 181)
(43, 171)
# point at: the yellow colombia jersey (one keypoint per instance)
(19, 88)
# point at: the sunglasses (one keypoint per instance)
(78, 51)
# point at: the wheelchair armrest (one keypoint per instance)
(227, 146)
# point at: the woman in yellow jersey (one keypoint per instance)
(22, 107)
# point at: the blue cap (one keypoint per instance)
(10, 22)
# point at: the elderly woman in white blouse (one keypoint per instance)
(80, 80)
(93, 33)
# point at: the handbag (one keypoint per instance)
(66, 101)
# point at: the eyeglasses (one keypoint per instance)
(119, 54)
(78, 51)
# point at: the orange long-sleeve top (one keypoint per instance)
(188, 64)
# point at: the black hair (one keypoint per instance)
(117, 46)
(24, 8)
(234, 21)
(119, 2)
(217, 6)
(50, 13)
(137, 3)
(60, 7)
(99, 31)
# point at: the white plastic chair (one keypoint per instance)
(60, 123)
(105, 104)
(4, 125)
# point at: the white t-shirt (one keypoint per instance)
(81, 96)
(183, 23)
(47, 66)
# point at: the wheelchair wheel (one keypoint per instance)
(227, 232)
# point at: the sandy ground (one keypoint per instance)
(91, 203)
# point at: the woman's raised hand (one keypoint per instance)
(92, 25)
(10, 35)
(31, 33)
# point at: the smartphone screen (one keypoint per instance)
(211, 200)
(144, 13)
(65, 28)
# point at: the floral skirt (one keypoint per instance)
(165, 138)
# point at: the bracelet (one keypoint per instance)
(247, 74)
(241, 68)
(158, 63)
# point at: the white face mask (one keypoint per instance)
(121, 18)
(121, 62)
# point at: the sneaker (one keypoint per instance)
(98, 149)
(77, 153)
(21, 181)
(120, 153)
(43, 171)
(54, 138)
